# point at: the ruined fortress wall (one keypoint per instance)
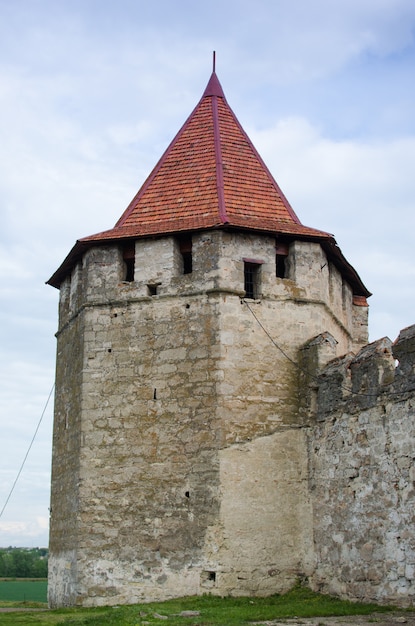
(362, 474)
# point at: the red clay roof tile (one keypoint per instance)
(210, 176)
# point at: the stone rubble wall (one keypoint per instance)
(180, 454)
(362, 473)
(64, 506)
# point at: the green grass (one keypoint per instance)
(214, 611)
(23, 590)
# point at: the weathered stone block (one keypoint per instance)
(404, 352)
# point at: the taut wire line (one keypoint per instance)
(27, 453)
(302, 369)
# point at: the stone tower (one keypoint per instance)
(179, 452)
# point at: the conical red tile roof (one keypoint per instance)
(210, 176)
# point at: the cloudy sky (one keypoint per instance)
(92, 92)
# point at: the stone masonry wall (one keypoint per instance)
(362, 474)
(64, 506)
(148, 469)
(182, 461)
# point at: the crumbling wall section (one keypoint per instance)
(362, 473)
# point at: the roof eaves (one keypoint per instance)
(304, 233)
(68, 264)
(335, 254)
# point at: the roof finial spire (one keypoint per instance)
(214, 61)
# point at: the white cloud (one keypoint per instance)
(26, 534)
(307, 40)
(363, 193)
(347, 174)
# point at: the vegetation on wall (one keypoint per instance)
(23, 562)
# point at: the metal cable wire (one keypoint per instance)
(305, 371)
(27, 453)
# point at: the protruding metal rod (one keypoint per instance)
(214, 61)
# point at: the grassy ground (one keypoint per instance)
(24, 590)
(206, 611)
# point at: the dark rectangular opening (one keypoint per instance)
(128, 256)
(281, 254)
(280, 268)
(185, 247)
(208, 578)
(252, 274)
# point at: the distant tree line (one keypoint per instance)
(23, 562)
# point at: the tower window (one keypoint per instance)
(129, 262)
(152, 288)
(185, 247)
(252, 279)
(280, 265)
(281, 254)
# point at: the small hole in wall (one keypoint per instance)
(109, 350)
(208, 578)
(187, 306)
(187, 494)
(155, 394)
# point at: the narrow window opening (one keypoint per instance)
(129, 263)
(152, 289)
(129, 270)
(252, 277)
(208, 578)
(185, 247)
(187, 263)
(280, 269)
(281, 254)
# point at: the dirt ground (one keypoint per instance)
(375, 619)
